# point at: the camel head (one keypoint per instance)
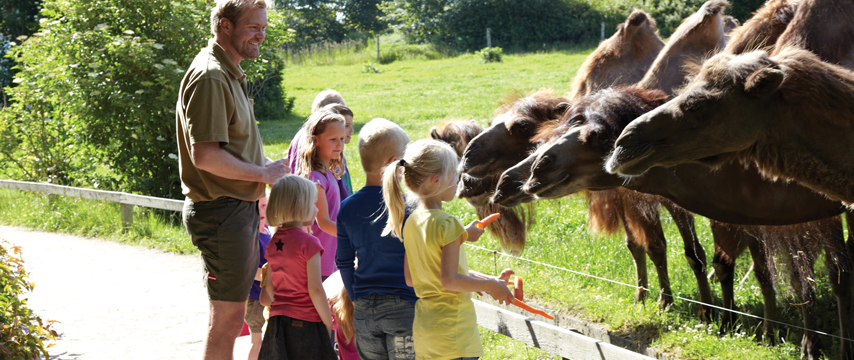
(508, 192)
(456, 132)
(719, 112)
(572, 156)
(508, 138)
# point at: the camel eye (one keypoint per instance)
(693, 103)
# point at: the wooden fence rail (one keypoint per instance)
(556, 340)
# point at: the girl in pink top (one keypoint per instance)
(321, 156)
(300, 324)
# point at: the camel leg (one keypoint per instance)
(694, 253)
(729, 244)
(766, 283)
(648, 231)
(839, 271)
(639, 258)
(801, 270)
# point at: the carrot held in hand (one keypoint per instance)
(532, 310)
(518, 291)
(488, 220)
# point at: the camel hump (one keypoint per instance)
(638, 17)
(715, 6)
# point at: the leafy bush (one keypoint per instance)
(95, 101)
(489, 54)
(22, 333)
(371, 69)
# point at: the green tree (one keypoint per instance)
(365, 16)
(95, 101)
(313, 21)
(18, 20)
(418, 20)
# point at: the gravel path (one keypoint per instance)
(116, 301)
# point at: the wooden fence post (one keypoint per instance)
(127, 216)
(488, 38)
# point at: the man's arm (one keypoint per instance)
(208, 156)
(345, 257)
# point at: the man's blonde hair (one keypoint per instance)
(421, 160)
(326, 97)
(380, 140)
(292, 198)
(233, 10)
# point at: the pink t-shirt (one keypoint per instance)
(346, 350)
(333, 203)
(287, 255)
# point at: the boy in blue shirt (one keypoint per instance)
(385, 305)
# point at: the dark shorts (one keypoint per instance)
(254, 316)
(291, 339)
(225, 230)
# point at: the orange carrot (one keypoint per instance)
(518, 291)
(488, 220)
(532, 310)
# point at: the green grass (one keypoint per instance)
(418, 94)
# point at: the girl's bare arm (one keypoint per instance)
(326, 224)
(454, 281)
(268, 292)
(316, 292)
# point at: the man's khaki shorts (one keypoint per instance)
(254, 316)
(225, 230)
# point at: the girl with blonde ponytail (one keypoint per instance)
(445, 325)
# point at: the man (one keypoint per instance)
(222, 165)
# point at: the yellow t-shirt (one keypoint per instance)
(445, 325)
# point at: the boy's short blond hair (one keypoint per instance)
(380, 140)
(292, 198)
(326, 97)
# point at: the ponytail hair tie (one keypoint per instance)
(402, 162)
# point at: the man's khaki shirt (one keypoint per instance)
(213, 105)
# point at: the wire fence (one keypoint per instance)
(670, 295)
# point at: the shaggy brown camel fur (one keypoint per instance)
(763, 29)
(621, 59)
(510, 226)
(791, 114)
(741, 195)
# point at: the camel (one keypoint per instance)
(753, 107)
(763, 29)
(741, 195)
(510, 226)
(699, 34)
(621, 59)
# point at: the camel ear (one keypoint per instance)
(434, 134)
(561, 108)
(764, 81)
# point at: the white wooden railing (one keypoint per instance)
(567, 343)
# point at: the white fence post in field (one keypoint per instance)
(603, 32)
(488, 38)
(127, 216)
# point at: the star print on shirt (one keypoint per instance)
(279, 245)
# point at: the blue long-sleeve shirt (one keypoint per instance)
(360, 222)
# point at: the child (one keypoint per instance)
(445, 325)
(300, 324)
(332, 101)
(321, 161)
(384, 304)
(254, 312)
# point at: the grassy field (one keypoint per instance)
(418, 94)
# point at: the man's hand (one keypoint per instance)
(275, 171)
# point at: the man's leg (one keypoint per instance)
(225, 326)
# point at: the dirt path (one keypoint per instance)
(116, 301)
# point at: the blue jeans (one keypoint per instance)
(384, 327)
